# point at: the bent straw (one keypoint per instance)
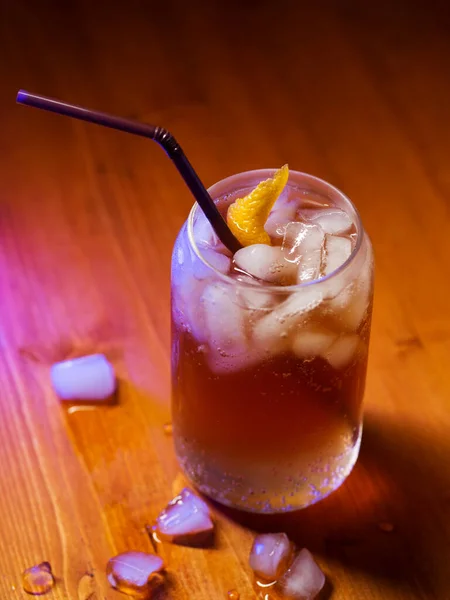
(160, 135)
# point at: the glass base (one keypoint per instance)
(269, 487)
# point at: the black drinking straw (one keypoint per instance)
(160, 135)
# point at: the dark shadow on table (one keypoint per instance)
(396, 481)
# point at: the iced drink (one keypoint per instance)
(269, 348)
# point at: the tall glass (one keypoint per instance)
(268, 381)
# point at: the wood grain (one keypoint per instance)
(356, 95)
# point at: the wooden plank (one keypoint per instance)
(358, 95)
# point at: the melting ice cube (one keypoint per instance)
(304, 579)
(312, 341)
(279, 218)
(38, 579)
(282, 212)
(86, 378)
(216, 261)
(272, 330)
(342, 351)
(185, 518)
(332, 220)
(337, 251)
(187, 309)
(270, 555)
(349, 293)
(253, 295)
(267, 263)
(224, 318)
(303, 245)
(204, 234)
(134, 572)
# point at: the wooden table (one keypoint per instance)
(88, 217)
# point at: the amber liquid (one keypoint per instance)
(276, 436)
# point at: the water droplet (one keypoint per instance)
(79, 408)
(167, 428)
(262, 589)
(38, 579)
(233, 595)
(154, 538)
(264, 585)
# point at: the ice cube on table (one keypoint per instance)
(312, 341)
(342, 351)
(337, 251)
(267, 263)
(270, 555)
(303, 245)
(332, 220)
(304, 579)
(185, 518)
(272, 331)
(224, 319)
(88, 378)
(132, 572)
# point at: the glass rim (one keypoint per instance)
(265, 286)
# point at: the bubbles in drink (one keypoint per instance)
(233, 595)
(38, 579)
